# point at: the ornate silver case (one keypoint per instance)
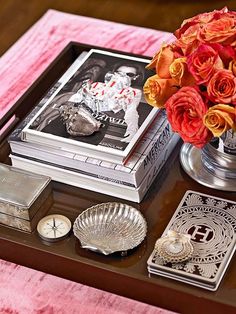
(211, 223)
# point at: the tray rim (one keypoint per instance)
(22, 253)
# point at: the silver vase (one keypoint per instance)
(214, 165)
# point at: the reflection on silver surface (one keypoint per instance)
(191, 161)
(219, 163)
(110, 227)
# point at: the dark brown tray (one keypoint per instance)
(127, 276)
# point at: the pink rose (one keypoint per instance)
(203, 62)
(185, 112)
(222, 87)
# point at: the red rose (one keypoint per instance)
(226, 53)
(203, 62)
(185, 112)
(222, 87)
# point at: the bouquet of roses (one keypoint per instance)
(195, 78)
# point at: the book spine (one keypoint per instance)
(152, 155)
(78, 180)
(97, 184)
(157, 166)
(95, 168)
(130, 174)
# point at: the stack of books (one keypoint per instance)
(94, 130)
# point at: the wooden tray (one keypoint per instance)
(127, 276)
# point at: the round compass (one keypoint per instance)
(54, 227)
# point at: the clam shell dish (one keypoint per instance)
(110, 227)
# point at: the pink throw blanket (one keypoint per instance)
(24, 290)
(33, 52)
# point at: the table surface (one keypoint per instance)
(126, 276)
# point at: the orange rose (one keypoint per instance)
(222, 30)
(152, 64)
(222, 87)
(220, 118)
(201, 18)
(188, 42)
(157, 90)
(179, 72)
(161, 61)
(232, 67)
(203, 62)
(185, 111)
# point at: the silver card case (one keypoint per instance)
(211, 222)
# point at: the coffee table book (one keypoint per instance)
(211, 222)
(131, 174)
(110, 187)
(113, 96)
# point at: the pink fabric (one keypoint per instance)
(34, 51)
(26, 291)
(23, 290)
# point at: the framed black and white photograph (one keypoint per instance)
(100, 109)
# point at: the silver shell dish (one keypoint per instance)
(174, 247)
(110, 227)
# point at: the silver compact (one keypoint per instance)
(174, 247)
(110, 227)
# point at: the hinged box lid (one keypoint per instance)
(19, 189)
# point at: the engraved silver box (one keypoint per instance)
(24, 197)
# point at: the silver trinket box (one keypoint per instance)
(24, 197)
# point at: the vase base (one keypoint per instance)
(191, 161)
